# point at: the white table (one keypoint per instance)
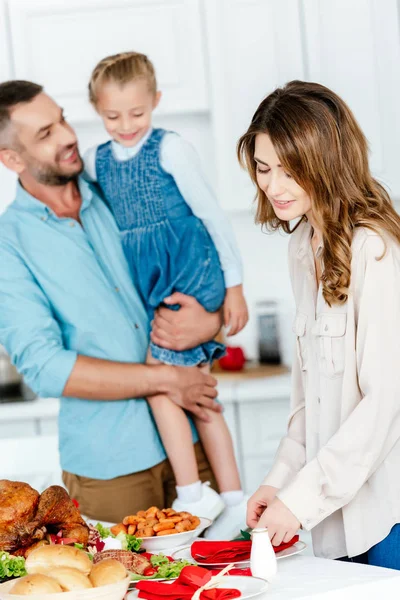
(307, 577)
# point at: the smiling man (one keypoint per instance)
(74, 325)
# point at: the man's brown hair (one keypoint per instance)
(12, 93)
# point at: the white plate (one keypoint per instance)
(166, 542)
(248, 586)
(184, 553)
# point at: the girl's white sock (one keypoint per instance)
(189, 493)
(232, 498)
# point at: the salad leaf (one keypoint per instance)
(129, 542)
(166, 570)
(11, 566)
(103, 531)
(158, 560)
(80, 546)
(172, 569)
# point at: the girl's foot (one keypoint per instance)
(210, 505)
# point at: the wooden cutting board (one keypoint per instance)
(251, 370)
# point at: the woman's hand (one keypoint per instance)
(185, 328)
(236, 314)
(258, 502)
(281, 523)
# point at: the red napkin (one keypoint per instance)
(206, 552)
(190, 579)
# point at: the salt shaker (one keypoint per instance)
(262, 558)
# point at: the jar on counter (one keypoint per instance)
(268, 336)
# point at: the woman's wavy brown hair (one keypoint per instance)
(320, 144)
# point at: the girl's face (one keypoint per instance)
(126, 110)
(288, 199)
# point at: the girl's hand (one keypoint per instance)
(281, 523)
(236, 314)
(258, 502)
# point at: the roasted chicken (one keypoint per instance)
(26, 517)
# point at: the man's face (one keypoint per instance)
(45, 143)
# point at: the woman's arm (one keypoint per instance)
(365, 438)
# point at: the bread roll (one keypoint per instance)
(107, 571)
(35, 584)
(45, 558)
(70, 579)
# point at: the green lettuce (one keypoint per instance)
(11, 566)
(129, 542)
(103, 531)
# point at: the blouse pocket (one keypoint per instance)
(330, 331)
(299, 328)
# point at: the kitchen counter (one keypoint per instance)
(250, 386)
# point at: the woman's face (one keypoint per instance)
(288, 199)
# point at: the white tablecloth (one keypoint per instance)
(307, 577)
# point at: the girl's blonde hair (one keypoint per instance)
(320, 144)
(122, 68)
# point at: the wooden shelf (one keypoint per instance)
(251, 370)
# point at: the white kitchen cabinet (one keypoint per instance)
(354, 48)
(58, 43)
(261, 427)
(5, 58)
(7, 179)
(253, 47)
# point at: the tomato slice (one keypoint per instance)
(149, 571)
(66, 541)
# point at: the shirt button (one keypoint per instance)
(319, 400)
(72, 224)
(326, 327)
(116, 289)
(136, 326)
(43, 218)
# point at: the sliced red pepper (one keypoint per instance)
(147, 555)
(66, 541)
(149, 571)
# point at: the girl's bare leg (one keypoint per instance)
(218, 446)
(176, 434)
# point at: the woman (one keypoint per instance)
(336, 471)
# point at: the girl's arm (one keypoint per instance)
(365, 438)
(179, 158)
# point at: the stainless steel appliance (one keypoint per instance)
(11, 382)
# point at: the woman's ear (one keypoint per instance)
(12, 160)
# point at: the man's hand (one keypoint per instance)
(258, 502)
(192, 389)
(186, 328)
(281, 523)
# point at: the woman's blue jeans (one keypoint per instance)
(384, 554)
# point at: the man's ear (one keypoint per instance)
(12, 160)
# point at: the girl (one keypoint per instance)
(336, 471)
(176, 239)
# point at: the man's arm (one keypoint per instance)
(186, 328)
(188, 387)
(33, 339)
